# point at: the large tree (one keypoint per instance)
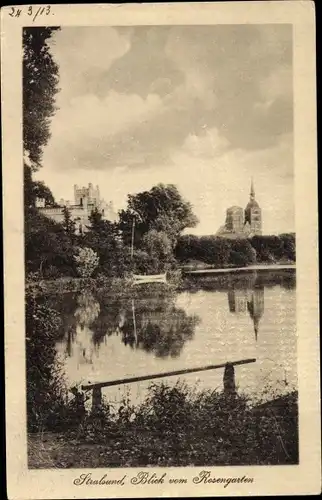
(47, 245)
(40, 85)
(35, 189)
(103, 237)
(161, 209)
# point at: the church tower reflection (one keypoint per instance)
(255, 307)
(249, 300)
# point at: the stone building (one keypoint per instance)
(242, 223)
(86, 199)
(253, 213)
(235, 219)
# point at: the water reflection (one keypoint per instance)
(248, 300)
(154, 325)
(79, 341)
(217, 319)
(285, 278)
(158, 327)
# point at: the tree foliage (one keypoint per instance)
(104, 238)
(40, 190)
(40, 85)
(274, 248)
(158, 246)
(209, 249)
(162, 209)
(47, 246)
(36, 189)
(45, 391)
(220, 252)
(69, 224)
(87, 261)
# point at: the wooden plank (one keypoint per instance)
(165, 374)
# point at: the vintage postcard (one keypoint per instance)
(161, 242)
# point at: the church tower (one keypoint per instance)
(253, 213)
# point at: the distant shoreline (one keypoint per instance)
(270, 267)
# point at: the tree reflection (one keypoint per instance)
(162, 330)
(80, 338)
(152, 324)
(285, 278)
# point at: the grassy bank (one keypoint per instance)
(174, 426)
(72, 284)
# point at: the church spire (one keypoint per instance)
(252, 190)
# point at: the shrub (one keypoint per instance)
(238, 259)
(52, 272)
(179, 426)
(243, 247)
(86, 262)
(45, 392)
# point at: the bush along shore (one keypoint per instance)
(116, 285)
(173, 426)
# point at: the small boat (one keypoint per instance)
(150, 278)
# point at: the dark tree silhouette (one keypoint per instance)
(40, 85)
(35, 189)
(162, 209)
(68, 223)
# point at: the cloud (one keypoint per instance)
(145, 68)
(86, 127)
(140, 105)
(208, 145)
(84, 55)
(278, 84)
(224, 77)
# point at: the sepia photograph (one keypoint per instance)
(160, 250)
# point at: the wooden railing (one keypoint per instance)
(228, 379)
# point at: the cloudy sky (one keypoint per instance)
(204, 107)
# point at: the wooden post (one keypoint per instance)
(96, 398)
(132, 242)
(229, 380)
(134, 324)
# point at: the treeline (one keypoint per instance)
(155, 222)
(53, 250)
(142, 241)
(220, 252)
(147, 239)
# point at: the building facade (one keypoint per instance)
(253, 213)
(235, 219)
(86, 199)
(243, 223)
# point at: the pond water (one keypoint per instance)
(212, 319)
